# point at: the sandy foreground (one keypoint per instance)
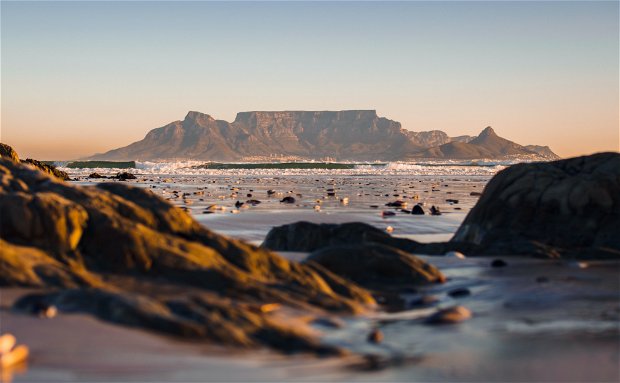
(534, 320)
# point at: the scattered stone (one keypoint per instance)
(454, 201)
(424, 301)
(253, 202)
(238, 204)
(124, 176)
(449, 315)
(96, 175)
(288, 199)
(417, 210)
(271, 192)
(498, 263)
(375, 336)
(387, 213)
(455, 254)
(397, 203)
(459, 293)
(435, 210)
(475, 194)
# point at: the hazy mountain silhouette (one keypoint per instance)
(342, 135)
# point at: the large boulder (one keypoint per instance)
(307, 236)
(375, 266)
(565, 208)
(59, 235)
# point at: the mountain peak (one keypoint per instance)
(193, 115)
(487, 132)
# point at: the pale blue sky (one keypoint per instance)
(83, 77)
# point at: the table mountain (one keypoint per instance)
(343, 135)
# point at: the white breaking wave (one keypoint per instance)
(188, 168)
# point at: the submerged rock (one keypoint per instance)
(124, 176)
(449, 315)
(563, 208)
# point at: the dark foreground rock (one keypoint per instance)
(568, 208)
(376, 266)
(565, 208)
(308, 237)
(207, 317)
(117, 239)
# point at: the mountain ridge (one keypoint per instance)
(305, 135)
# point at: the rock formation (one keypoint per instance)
(569, 207)
(8, 153)
(127, 256)
(343, 135)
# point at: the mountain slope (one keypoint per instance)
(486, 145)
(344, 135)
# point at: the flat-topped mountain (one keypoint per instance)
(342, 135)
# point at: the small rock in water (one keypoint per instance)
(498, 263)
(454, 201)
(271, 192)
(238, 204)
(389, 229)
(459, 293)
(288, 199)
(252, 202)
(578, 265)
(435, 210)
(96, 175)
(455, 254)
(450, 315)
(417, 210)
(125, 176)
(397, 203)
(424, 301)
(387, 213)
(374, 206)
(475, 194)
(375, 336)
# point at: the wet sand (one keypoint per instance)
(533, 320)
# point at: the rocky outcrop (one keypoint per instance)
(377, 267)
(58, 235)
(49, 169)
(343, 135)
(563, 208)
(7, 152)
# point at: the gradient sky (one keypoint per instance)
(85, 77)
